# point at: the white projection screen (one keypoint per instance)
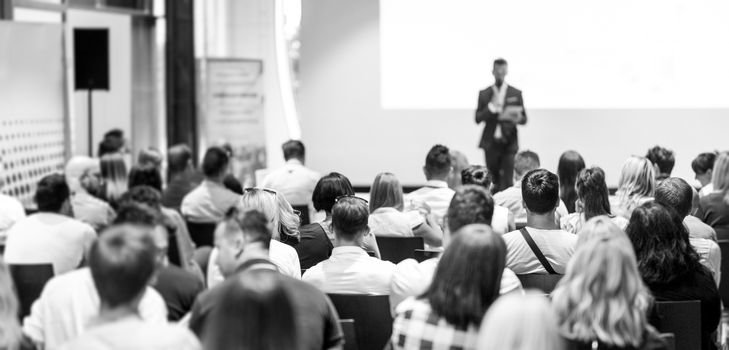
(565, 54)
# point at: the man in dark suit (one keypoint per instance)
(501, 107)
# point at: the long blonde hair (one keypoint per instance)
(636, 184)
(276, 209)
(599, 227)
(520, 322)
(10, 332)
(386, 191)
(720, 175)
(115, 176)
(602, 296)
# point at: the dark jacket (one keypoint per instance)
(508, 129)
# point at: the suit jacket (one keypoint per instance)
(508, 129)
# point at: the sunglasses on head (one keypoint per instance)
(254, 189)
(350, 196)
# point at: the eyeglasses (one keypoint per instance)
(350, 196)
(267, 190)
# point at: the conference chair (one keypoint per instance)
(303, 212)
(29, 280)
(202, 233)
(173, 249)
(424, 254)
(683, 319)
(350, 334)
(724, 281)
(397, 249)
(545, 283)
(371, 315)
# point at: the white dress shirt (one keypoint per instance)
(411, 279)
(388, 221)
(351, 271)
(500, 220)
(709, 255)
(511, 199)
(208, 202)
(282, 255)
(49, 238)
(146, 335)
(69, 303)
(11, 211)
(556, 245)
(706, 189)
(435, 194)
(294, 180)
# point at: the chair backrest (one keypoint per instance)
(397, 249)
(29, 280)
(371, 315)
(350, 334)
(202, 233)
(724, 282)
(422, 254)
(670, 340)
(545, 283)
(303, 213)
(683, 319)
(173, 249)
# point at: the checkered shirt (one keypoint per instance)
(416, 326)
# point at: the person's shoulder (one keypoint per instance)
(513, 90)
(410, 270)
(70, 280)
(282, 248)
(313, 230)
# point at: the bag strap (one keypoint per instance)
(537, 252)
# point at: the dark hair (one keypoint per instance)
(255, 312)
(178, 157)
(143, 194)
(476, 175)
(540, 191)
(662, 157)
(349, 217)
(676, 193)
(151, 156)
(255, 227)
(471, 204)
(137, 213)
(113, 142)
(293, 149)
(145, 174)
(500, 62)
(468, 276)
(661, 244)
(51, 193)
(703, 162)
(592, 190)
(215, 161)
(328, 188)
(438, 161)
(114, 134)
(570, 163)
(525, 161)
(122, 262)
(232, 184)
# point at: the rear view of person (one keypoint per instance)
(593, 199)
(636, 185)
(570, 164)
(714, 207)
(435, 196)
(294, 179)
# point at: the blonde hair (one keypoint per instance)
(76, 167)
(636, 184)
(115, 175)
(275, 207)
(602, 296)
(520, 322)
(10, 331)
(720, 175)
(386, 191)
(599, 227)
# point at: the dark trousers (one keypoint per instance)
(500, 163)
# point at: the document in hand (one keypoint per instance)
(513, 114)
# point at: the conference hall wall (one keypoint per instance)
(346, 128)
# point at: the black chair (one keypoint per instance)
(350, 334)
(303, 213)
(724, 282)
(202, 233)
(423, 254)
(29, 280)
(371, 315)
(173, 249)
(683, 319)
(670, 340)
(397, 249)
(543, 282)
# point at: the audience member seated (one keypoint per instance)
(210, 200)
(83, 176)
(435, 196)
(123, 262)
(11, 211)
(570, 164)
(114, 177)
(540, 190)
(695, 226)
(703, 166)
(503, 219)
(113, 142)
(662, 160)
(714, 207)
(670, 267)
(470, 205)
(388, 219)
(294, 180)
(511, 198)
(593, 199)
(178, 287)
(520, 322)
(459, 163)
(604, 271)
(11, 335)
(182, 178)
(316, 239)
(466, 282)
(350, 270)
(150, 156)
(51, 235)
(243, 241)
(676, 193)
(636, 185)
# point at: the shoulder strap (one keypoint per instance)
(537, 252)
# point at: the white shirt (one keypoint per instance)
(49, 238)
(208, 202)
(294, 180)
(511, 199)
(282, 255)
(144, 335)
(91, 210)
(388, 221)
(500, 220)
(556, 245)
(698, 229)
(11, 211)
(411, 279)
(435, 194)
(574, 222)
(706, 189)
(69, 303)
(351, 271)
(709, 255)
